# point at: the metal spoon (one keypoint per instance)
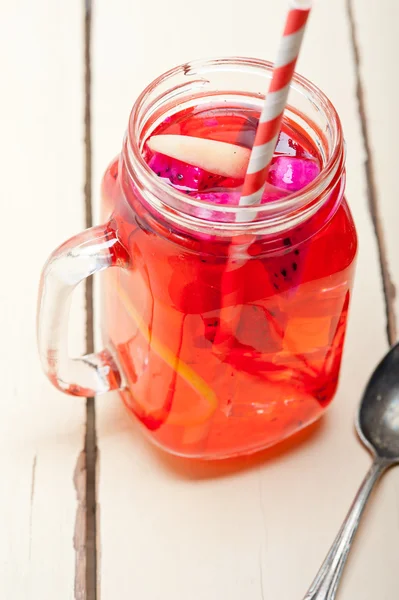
(378, 428)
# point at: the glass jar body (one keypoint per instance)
(275, 371)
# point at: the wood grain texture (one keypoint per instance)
(377, 42)
(173, 529)
(41, 431)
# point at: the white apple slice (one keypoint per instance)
(220, 158)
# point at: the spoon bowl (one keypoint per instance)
(378, 419)
(378, 427)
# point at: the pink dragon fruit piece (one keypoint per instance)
(227, 198)
(181, 175)
(272, 193)
(231, 198)
(292, 174)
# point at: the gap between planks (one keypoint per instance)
(372, 193)
(85, 538)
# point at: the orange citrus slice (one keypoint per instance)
(194, 414)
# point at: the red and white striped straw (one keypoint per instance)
(273, 109)
(261, 156)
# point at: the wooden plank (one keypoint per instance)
(377, 50)
(172, 529)
(41, 431)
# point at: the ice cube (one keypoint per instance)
(292, 174)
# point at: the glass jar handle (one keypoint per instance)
(83, 255)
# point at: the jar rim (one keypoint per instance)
(305, 200)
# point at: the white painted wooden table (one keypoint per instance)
(167, 529)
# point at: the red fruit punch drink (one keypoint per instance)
(172, 197)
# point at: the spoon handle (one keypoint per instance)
(324, 586)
